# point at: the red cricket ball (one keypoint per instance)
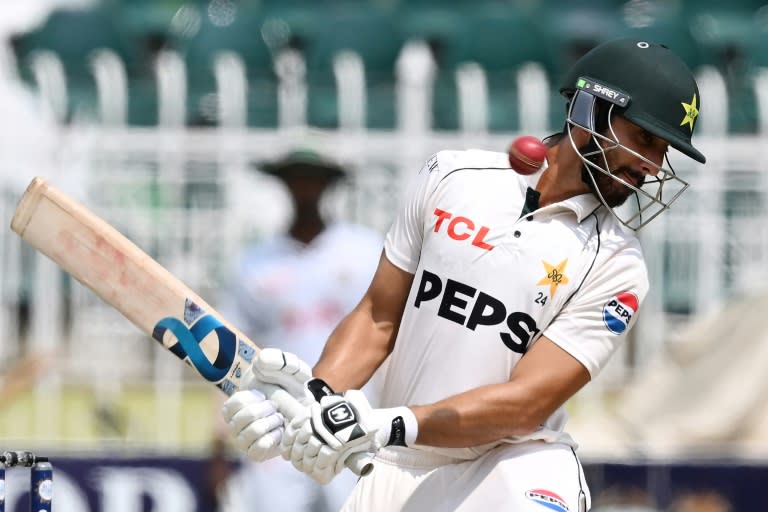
(526, 154)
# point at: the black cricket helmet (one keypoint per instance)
(650, 86)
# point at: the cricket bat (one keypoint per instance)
(142, 290)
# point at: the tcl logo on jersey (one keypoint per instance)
(462, 228)
(467, 306)
(617, 312)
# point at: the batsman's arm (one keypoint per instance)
(366, 336)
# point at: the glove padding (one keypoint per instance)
(253, 419)
(255, 424)
(284, 369)
(319, 442)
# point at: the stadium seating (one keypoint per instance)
(243, 36)
(73, 36)
(499, 35)
(501, 40)
(374, 36)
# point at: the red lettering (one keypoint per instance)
(465, 232)
(479, 240)
(441, 216)
(460, 236)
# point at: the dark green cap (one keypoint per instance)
(303, 162)
(650, 86)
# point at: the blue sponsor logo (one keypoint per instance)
(188, 339)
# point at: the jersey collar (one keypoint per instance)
(582, 205)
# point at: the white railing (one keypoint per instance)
(191, 199)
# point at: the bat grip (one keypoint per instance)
(360, 463)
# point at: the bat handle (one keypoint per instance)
(360, 463)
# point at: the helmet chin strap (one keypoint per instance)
(583, 112)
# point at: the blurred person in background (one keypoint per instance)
(290, 291)
(219, 469)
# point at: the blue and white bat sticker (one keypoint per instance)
(189, 337)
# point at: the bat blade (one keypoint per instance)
(148, 295)
(128, 279)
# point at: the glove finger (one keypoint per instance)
(302, 441)
(305, 434)
(255, 413)
(313, 447)
(311, 450)
(297, 464)
(269, 360)
(285, 443)
(323, 477)
(322, 472)
(290, 447)
(259, 454)
(296, 367)
(240, 400)
(264, 447)
(261, 428)
(326, 457)
(289, 437)
(248, 437)
(285, 369)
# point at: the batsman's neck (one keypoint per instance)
(562, 177)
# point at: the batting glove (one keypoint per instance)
(284, 369)
(253, 419)
(338, 426)
(255, 424)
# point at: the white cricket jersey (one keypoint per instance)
(291, 295)
(488, 282)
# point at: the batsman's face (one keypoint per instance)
(625, 167)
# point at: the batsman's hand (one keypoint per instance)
(284, 369)
(253, 419)
(339, 426)
(255, 424)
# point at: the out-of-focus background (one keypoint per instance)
(155, 113)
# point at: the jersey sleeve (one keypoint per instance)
(403, 241)
(598, 317)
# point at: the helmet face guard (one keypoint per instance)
(651, 198)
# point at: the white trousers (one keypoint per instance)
(534, 476)
(276, 486)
